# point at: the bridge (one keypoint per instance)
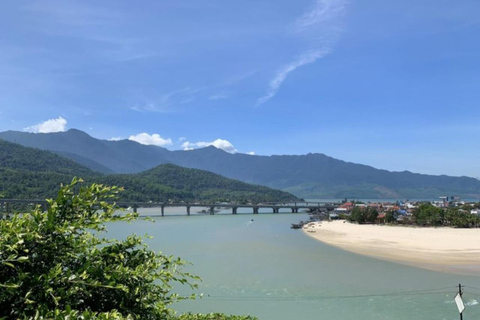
(294, 207)
(274, 207)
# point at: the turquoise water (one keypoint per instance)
(266, 269)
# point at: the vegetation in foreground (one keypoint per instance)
(54, 264)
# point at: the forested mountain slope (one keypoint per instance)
(30, 173)
(310, 176)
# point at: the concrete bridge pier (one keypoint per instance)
(234, 210)
(163, 210)
(135, 208)
(212, 210)
(188, 210)
(294, 210)
(275, 209)
(255, 210)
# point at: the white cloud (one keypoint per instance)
(251, 153)
(306, 58)
(153, 139)
(323, 11)
(219, 144)
(116, 138)
(321, 28)
(52, 125)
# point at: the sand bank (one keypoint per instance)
(440, 249)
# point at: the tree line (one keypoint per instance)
(425, 215)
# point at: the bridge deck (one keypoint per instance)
(275, 207)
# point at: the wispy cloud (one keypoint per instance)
(321, 27)
(323, 11)
(305, 58)
(218, 96)
(52, 125)
(167, 102)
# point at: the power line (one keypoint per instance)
(469, 287)
(313, 298)
(476, 294)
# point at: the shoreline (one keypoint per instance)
(440, 249)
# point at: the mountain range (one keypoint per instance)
(31, 173)
(309, 176)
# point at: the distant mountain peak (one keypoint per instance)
(314, 175)
(77, 132)
(209, 149)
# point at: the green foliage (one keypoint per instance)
(429, 215)
(55, 263)
(29, 173)
(20, 158)
(461, 219)
(390, 216)
(363, 215)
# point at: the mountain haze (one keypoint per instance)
(312, 175)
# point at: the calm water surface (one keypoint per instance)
(266, 269)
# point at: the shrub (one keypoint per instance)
(54, 264)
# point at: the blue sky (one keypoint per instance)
(392, 84)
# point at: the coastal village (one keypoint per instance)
(403, 210)
(446, 211)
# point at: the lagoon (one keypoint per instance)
(264, 268)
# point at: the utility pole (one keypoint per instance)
(460, 293)
(459, 301)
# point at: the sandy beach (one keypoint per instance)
(440, 249)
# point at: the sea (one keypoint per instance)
(255, 264)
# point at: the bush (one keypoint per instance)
(55, 265)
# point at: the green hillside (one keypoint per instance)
(16, 157)
(27, 173)
(312, 175)
(169, 181)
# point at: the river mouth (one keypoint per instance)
(264, 268)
